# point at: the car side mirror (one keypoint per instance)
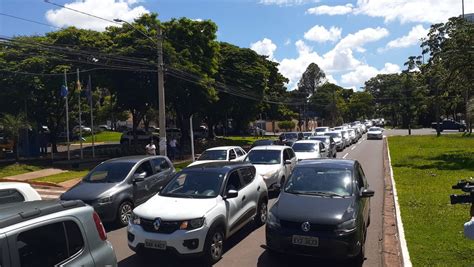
(139, 177)
(367, 193)
(287, 162)
(231, 194)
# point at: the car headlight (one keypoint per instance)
(192, 224)
(272, 220)
(134, 219)
(105, 200)
(269, 175)
(347, 227)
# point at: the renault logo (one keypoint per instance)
(306, 226)
(157, 224)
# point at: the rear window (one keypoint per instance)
(305, 147)
(10, 196)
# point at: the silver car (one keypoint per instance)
(53, 233)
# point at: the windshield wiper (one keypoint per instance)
(326, 194)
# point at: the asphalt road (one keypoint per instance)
(246, 248)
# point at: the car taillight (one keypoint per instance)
(99, 226)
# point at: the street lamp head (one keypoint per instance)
(118, 20)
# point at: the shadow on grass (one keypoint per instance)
(455, 160)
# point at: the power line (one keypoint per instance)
(28, 20)
(74, 72)
(82, 12)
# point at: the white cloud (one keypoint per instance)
(331, 10)
(412, 38)
(364, 72)
(358, 39)
(287, 2)
(264, 47)
(108, 9)
(429, 11)
(198, 20)
(321, 34)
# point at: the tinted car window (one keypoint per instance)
(291, 153)
(10, 196)
(315, 180)
(303, 147)
(239, 152)
(248, 174)
(233, 183)
(263, 157)
(213, 155)
(109, 172)
(145, 167)
(194, 184)
(232, 154)
(161, 164)
(74, 237)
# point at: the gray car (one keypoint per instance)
(329, 143)
(118, 185)
(53, 233)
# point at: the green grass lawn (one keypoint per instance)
(181, 165)
(425, 168)
(61, 177)
(244, 140)
(105, 136)
(14, 169)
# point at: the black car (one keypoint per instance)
(323, 211)
(264, 142)
(449, 125)
(329, 143)
(116, 186)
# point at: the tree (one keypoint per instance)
(311, 79)
(360, 106)
(286, 125)
(12, 125)
(329, 103)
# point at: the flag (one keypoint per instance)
(64, 91)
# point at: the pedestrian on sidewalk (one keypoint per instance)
(150, 148)
(173, 148)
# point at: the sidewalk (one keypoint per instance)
(33, 175)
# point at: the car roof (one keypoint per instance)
(222, 147)
(275, 147)
(133, 159)
(14, 213)
(219, 165)
(327, 163)
(307, 142)
(5, 185)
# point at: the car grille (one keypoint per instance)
(165, 227)
(314, 227)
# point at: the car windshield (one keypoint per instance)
(109, 172)
(374, 129)
(333, 135)
(194, 184)
(290, 136)
(263, 157)
(321, 181)
(304, 147)
(320, 130)
(307, 134)
(214, 155)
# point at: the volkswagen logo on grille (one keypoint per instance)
(157, 224)
(306, 226)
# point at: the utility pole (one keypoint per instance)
(462, 8)
(80, 119)
(67, 118)
(161, 95)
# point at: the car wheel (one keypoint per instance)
(214, 245)
(262, 213)
(359, 259)
(124, 213)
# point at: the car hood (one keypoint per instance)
(88, 191)
(267, 169)
(375, 132)
(175, 209)
(337, 139)
(198, 162)
(315, 209)
(307, 155)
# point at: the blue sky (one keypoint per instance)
(351, 41)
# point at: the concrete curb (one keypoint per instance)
(402, 245)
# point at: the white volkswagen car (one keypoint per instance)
(220, 153)
(375, 133)
(199, 209)
(274, 163)
(309, 149)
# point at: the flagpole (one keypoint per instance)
(67, 118)
(89, 90)
(80, 119)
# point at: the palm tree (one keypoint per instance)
(12, 124)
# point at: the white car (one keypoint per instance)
(199, 209)
(321, 130)
(12, 192)
(375, 133)
(220, 153)
(274, 163)
(310, 149)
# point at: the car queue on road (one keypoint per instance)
(193, 212)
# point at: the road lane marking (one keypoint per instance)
(353, 147)
(345, 155)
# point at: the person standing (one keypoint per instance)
(150, 148)
(173, 148)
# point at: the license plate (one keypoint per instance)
(305, 241)
(155, 244)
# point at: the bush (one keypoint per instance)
(286, 125)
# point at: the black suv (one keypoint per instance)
(323, 210)
(449, 125)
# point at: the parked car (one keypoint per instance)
(104, 127)
(274, 163)
(337, 137)
(53, 233)
(11, 192)
(6, 143)
(85, 130)
(321, 130)
(329, 142)
(375, 133)
(256, 131)
(345, 138)
(199, 209)
(220, 153)
(142, 137)
(323, 210)
(352, 136)
(264, 142)
(115, 186)
(309, 149)
(306, 135)
(450, 125)
(288, 138)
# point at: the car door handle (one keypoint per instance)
(258, 188)
(243, 198)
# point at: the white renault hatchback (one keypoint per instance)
(220, 153)
(199, 209)
(310, 149)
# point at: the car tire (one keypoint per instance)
(214, 245)
(262, 213)
(124, 213)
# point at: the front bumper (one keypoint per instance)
(174, 241)
(331, 245)
(374, 136)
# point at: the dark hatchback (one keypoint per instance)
(323, 211)
(114, 187)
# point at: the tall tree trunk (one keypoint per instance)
(17, 147)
